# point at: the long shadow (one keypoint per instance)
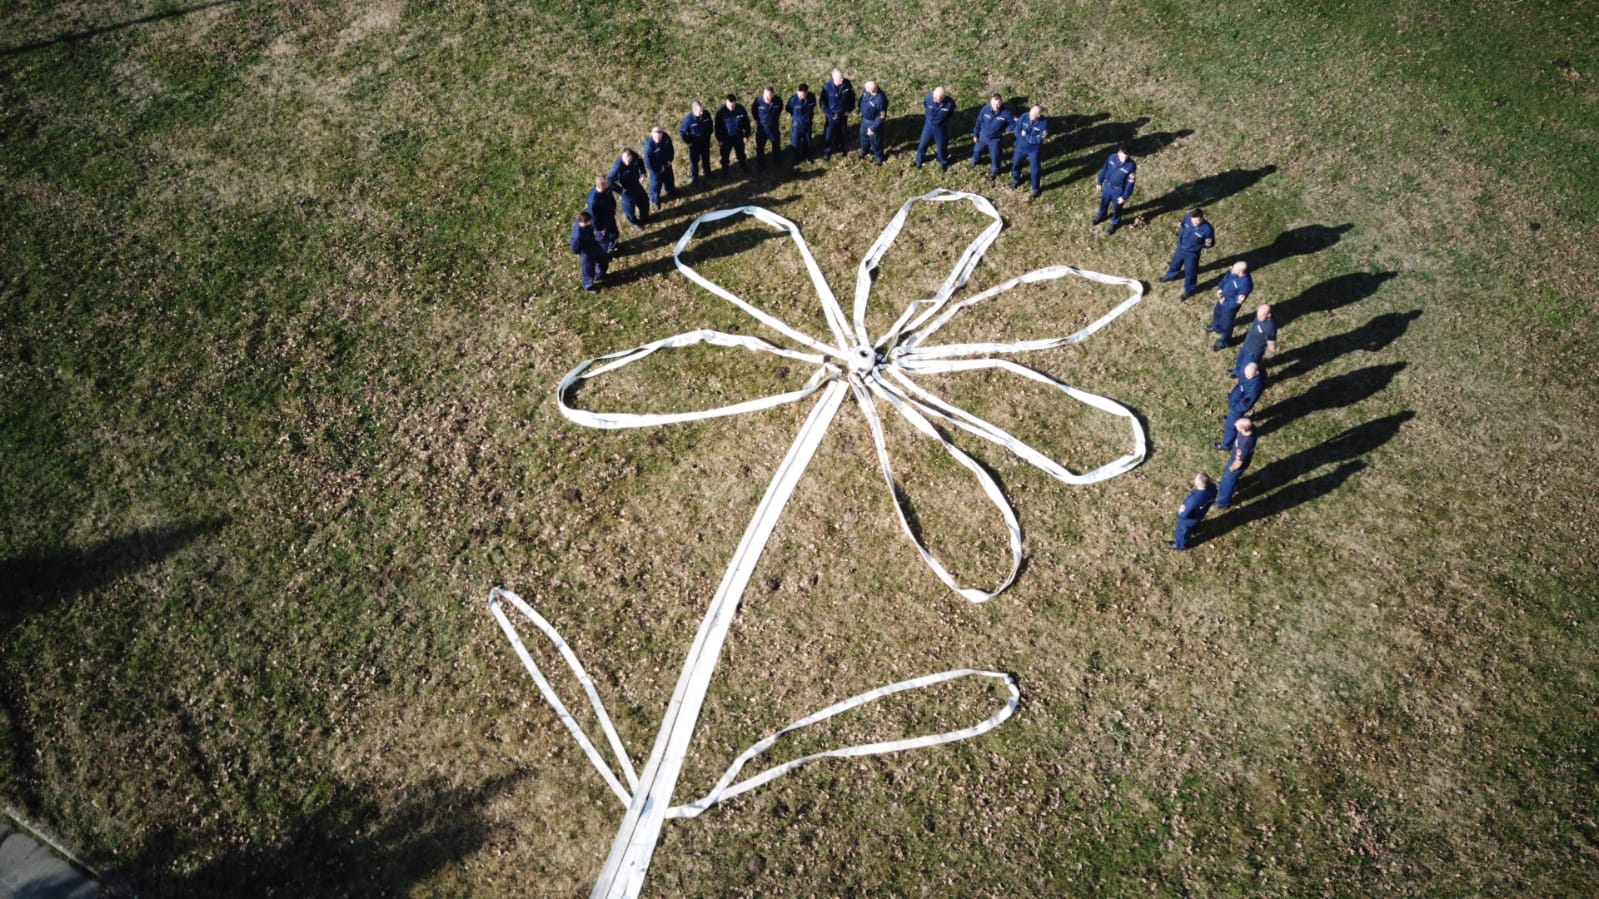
(1301, 241)
(1278, 483)
(1331, 294)
(350, 845)
(33, 583)
(1369, 337)
(1203, 192)
(107, 29)
(724, 241)
(1330, 393)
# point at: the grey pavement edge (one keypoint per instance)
(34, 865)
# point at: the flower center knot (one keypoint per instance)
(863, 359)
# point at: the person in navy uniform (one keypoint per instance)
(627, 176)
(1242, 399)
(768, 111)
(1243, 452)
(658, 156)
(602, 208)
(937, 107)
(988, 132)
(1030, 133)
(732, 130)
(874, 112)
(838, 99)
(1192, 511)
(1234, 289)
(696, 133)
(1115, 186)
(1194, 236)
(591, 256)
(1260, 339)
(801, 112)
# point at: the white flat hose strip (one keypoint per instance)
(612, 420)
(913, 346)
(548, 692)
(830, 308)
(993, 433)
(726, 789)
(623, 874)
(958, 276)
(989, 485)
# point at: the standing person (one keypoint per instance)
(1243, 451)
(1260, 339)
(768, 110)
(732, 130)
(937, 107)
(696, 133)
(992, 123)
(1242, 399)
(838, 98)
(1192, 511)
(602, 209)
(627, 176)
(1115, 186)
(592, 260)
(874, 112)
(1030, 134)
(1234, 289)
(802, 110)
(658, 156)
(1194, 236)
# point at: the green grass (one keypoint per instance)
(284, 295)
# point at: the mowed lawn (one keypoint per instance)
(287, 294)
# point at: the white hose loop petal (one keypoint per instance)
(497, 597)
(885, 369)
(726, 789)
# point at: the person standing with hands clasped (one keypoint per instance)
(874, 112)
(732, 130)
(1031, 130)
(1192, 511)
(592, 260)
(696, 131)
(1234, 289)
(1194, 236)
(838, 101)
(937, 107)
(801, 112)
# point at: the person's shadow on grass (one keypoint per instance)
(1278, 483)
(1370, 337)
(1302, 241)
(1331, 294)
(1330, 393)
(1202, 192)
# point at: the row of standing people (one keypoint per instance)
(1239, 431)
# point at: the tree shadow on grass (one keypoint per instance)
(34, 583)
(1278, 483)
(107, 29)
(1370, 337)
(352, 844)
(1330, 393)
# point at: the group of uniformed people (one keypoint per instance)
(1239, 432)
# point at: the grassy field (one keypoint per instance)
(286, 296)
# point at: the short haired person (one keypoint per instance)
(1115, 186)
(1260, 339)
(838, 100)
(988, 131)
(1194, 236)
(874, 114)
(801, 112)
(592, 260)
(1245, 394)
(1243, 452)
(732, 130)
(768, 112)
(627, 177)
(658, 156)
(936, 109)
(601, 207)
(1192, 511)
(1234, 289)
(696, 131)
(1030, 130)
